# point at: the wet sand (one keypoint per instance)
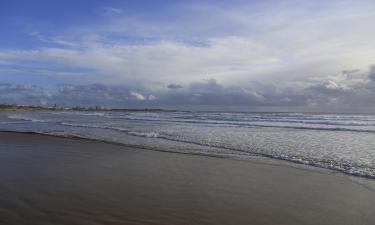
(51, 180)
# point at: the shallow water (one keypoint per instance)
(340, 142)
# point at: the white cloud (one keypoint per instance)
(54, 40)
(110, 11)
(162, 61)
(38, 36)
(137, 95)
(231, 43)
(152, 97)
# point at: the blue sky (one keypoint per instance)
(288, 55)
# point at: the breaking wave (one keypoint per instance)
(342, 143)
(24, 118)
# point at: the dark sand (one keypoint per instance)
(50, 180)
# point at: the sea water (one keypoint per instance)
(342, 142)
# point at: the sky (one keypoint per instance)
(292, 55)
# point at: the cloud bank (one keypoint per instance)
(348, 91)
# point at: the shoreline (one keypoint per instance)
(254, 158)
(77, 181)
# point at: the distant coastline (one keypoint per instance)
(32, 108)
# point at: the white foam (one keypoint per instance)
(25, 118)
(141, 134)
(338, 142)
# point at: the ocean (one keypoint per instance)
(341, 142)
